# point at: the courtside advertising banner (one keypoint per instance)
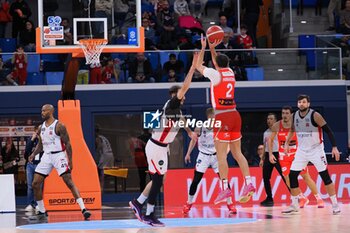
(178, 183)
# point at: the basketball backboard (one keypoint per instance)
(62, 23)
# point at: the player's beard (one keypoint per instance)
(45, 118)
(303, 110)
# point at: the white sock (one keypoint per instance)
(224, 184)
(295, 201)
(142, 198)
(190, 199)
(334, 199)
(229, 201)
(150, 209)
(317, 196)
(41, 206)
(81, 203)
(248, 180)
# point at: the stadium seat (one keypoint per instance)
(8, 45)
(183, 56)
(153, 59)
(54, 78)
(6, 57)
(120, 56)
(33, 63)
(36, 78)
(50, 57)
(308, 41)
(255, 74)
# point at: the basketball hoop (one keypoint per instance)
(92, 49)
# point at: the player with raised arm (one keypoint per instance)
(157, 150)
(229, 134)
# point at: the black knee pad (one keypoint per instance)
(293, 179)
(325, 177)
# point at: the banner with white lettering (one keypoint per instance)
(178, 182)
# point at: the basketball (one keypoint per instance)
(215, 33)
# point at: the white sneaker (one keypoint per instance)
(336, 209)
(29, 208)
(291, 210)
(36, 209)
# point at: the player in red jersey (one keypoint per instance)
(281, 129)
(229, 134)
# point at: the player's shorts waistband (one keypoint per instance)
(207, 153)
(158, 143)
(224, 111)
(56, 152)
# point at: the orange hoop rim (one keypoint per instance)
(93, 41)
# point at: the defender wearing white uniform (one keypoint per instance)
(54, 141)
(308, 125)
(157, 150)
(206, 158)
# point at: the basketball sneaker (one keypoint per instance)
(248, 191)
(86, 214)
(303, 201)
(40, 216)
(223, 195)
(29, 208)
(320, 203)
(186, 208)
(137, 208)
(291, 210)
(336, 209)
(231, 208)
(152, 220)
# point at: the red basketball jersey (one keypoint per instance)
(246, 41)
(222, 94)
(20, 62)
(282, 136)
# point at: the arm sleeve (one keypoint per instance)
(330, 135)
(212, 74)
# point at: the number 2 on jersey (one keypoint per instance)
(229, 92)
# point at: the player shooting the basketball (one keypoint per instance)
(222, 92)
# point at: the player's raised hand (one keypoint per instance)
(335, 153)
(214, 44)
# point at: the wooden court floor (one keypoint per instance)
(202, 219)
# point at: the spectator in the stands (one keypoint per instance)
(251, 12)
(333, 9)
(198, 77)
(150, 34)
(223, 25)
(68, 37)
(27, 37)
(20, 13)
(172, 76)
(345, 19)
(229, 44)
(140, 70)
(10, 157)
(103, 9)
(121, 8)
(173, 64)
(197, 8)
(244, 39)
(20, 62)
(5, 17)
(167, 24)
(181, 8)
(109, 72)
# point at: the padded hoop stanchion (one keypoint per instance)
(56, 195)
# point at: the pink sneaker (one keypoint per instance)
(248, 191)
(231, 208)
(303, 201)
(223, 195)
(320, 203)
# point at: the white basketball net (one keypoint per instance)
(92, 49)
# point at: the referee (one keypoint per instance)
(267, 165)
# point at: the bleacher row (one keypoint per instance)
(47, 69)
